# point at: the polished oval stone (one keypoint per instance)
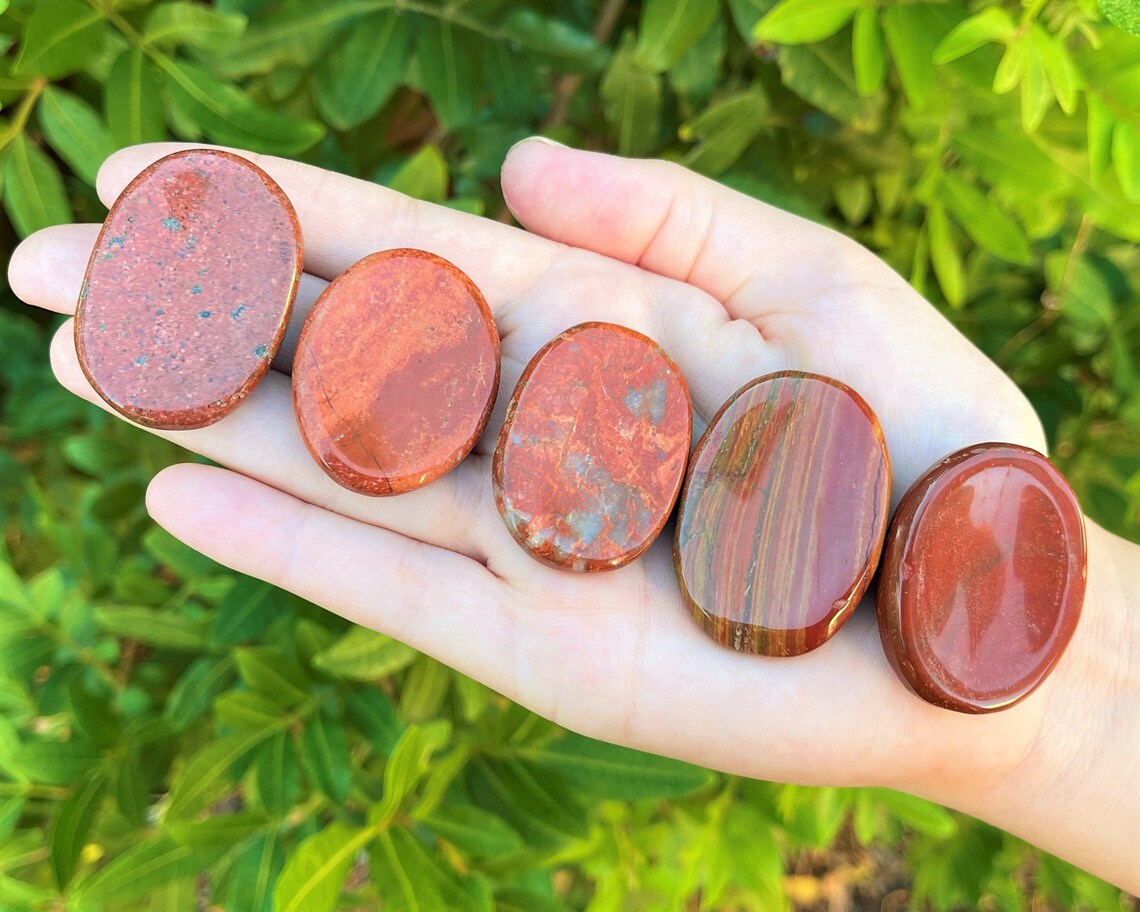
(592, 453)
(188, 290)
(396, 372)
(983, 577)
(783, 515)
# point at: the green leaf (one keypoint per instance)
(533, 801)
(944, 255)
(267, 670)
(1011, 68)
(823, 75)
(868, 54)
(696, 74)
(1006, 158)
(133, 100)
(725, 129)
(474, 830)
(1036, 92)
(250, 887)
(131, 792)
(1060, 71)
(94, 454)
(359, 74)
(423, 176)
(991, 24)
(61, 36)
(278, 774)
(155, 627)
(179, 558)
(1124, 14)
(55, 762)
(923, 816)
(805, 21)
(245, 612)
(227, 115)
(632, 98)
(448, 65)
(180, 22)
(73, 824)
(912, 34)
(406, 766)
(1082, 293)
(203, 779)
(853, 198)
(222, 830)
(294, 33)
(411, 880)
(985, 221)
(363, 654)
(1100, 133)
(425, 689)
(558, 43)
(242, 709)
(669, 28)
(75, 131)
(204, 678)
(372, 714)
(1126, 158)
(33, 188)
(315, 871)
(143, 868)
(94, 715)
(607, 770)
(324, 747)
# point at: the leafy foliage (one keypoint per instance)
(168, 729)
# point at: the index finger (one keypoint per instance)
(345, 218)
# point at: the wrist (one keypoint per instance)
(1075, 788)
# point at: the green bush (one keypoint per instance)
(175, 737)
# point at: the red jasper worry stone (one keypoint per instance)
(396, 372)
(983, 578)
(783, 515)
(592, 453)
(188, 290)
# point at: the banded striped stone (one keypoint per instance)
(783, 514)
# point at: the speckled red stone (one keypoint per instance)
(783, 515)
(396, 372)
(592, 453)
(983, 578)
(189, 289)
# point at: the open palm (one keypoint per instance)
(732, 289)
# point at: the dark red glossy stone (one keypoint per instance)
(592, 453)
(396, 372)
(983, 578)
(188, 290)
(783, 515)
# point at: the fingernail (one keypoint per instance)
(537, 139)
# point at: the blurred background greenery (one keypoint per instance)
(176, 737)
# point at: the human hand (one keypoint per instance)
(731, 289)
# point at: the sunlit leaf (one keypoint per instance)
(352, 82)
(316, 869)
(61, 36)
(34, 197)
(669, 28)
(803, 21)
(133, 100)
(75, 131)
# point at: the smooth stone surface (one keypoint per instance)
(983, 578)
(783, 515)
(188, 290)
(592, 453)
(396, 372)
